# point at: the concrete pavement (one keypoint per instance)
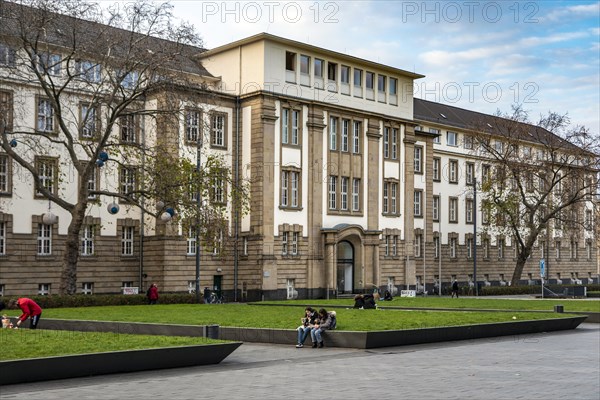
(558, 365)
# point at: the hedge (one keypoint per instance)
(82, 300)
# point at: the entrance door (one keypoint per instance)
(345, 267)
(217, 284)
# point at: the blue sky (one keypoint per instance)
(479, 55)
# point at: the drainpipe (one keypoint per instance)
(142, 225)
(236, 217)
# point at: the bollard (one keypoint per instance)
(211, 331)
(559, 309)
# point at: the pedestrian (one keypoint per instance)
(30, 310)
(455, 288)
(308, 323)
(152, 294)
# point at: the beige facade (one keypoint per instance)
(341, 170)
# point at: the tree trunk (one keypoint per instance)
(518, 271)
(68, 276)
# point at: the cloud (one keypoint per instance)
(571, 12)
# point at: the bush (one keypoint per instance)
(82, 300)
(593, 294)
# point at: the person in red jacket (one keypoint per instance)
(30, 310)
(152, 294)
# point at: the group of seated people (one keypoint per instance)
(366, 301)
(315, 323)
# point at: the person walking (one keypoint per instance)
(152, 294)
(455, 288)
(29, 308)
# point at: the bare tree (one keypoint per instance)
(539, 179)
(110, 87)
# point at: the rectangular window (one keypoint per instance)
(6, 110)
(418, 243)
(2, 238)
(344, 193)
(294, 243)
(381, 80)
(500, 249)
(345, 134)
(436, 247)
(557, 249)
(394, 139)
(469, 245)
(47, 173)
(393, 198)
(355, 194)
(393, 86)
(451, 138)
(485, 174)
(486, 248)
(417, 203)
(437, 132)
(87, 288)
(44, 240)
(284, 188)
(318, 68)
(290, 61)
(130, 80)
(386, 196)
(387, 245)
(370, 80)
(394, 245)
(305, 65)
(468, 142)
(128, 127)
(587, 217)
(192, 125)
(217, 190)
(48, 63)
(45, 116)
(5, 174)
(436, 208)
(7, 55)
(574, 246)
(333, 123)
(127, 180)
(386, 142)
(418, 161)
(88, 71)
(92, 183)
(87, 240)
(332, 192)
(469, 173)
(453, 248)
(295, 183)
(245, 246)
(345, 74)
(499, 146)
(358, 78)
(217, 132)
(453, 210)
(127, 241)
(89, 121)
(284, 243)
(588, 250)
(332, 71)
(191, 241)
(469, 211)
(44, 289)
(437, 162)
(218, 243)
(453, 171)
(356, 137)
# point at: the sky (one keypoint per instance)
(479, 55)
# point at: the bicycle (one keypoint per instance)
(214, 299)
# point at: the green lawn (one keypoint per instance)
(25, 343)
(480, 303)
(242, 315)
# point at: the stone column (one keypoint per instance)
(373, 178)
(409, 189)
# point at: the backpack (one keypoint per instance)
(333, 320)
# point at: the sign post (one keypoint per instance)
(542, 273)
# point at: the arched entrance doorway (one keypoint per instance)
(345, 267)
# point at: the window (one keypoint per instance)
(393, 86)
(394, 245)
(332, 71)
(386, 142)
(394, 143)
(436, 208)
(92, 183)
(437, 162)
(127, 180)
(130, 80)
(218, 243)
(418, 160)
(453, 171)
(289, 243)
(127, 241)
(500, 249)
(191, 241)
(290, 61)
(6, 110)
(345, 74)
(451, 138)
(574, 246)
(557, 248)
(284, 243)
(485, 174)
(418, 243)
(387, 245)
(393, 198)
(588, 249)
(44, 289)
(486, 248)
(381, 80)
(87, 288)
(355, 194)
(294, 243)
(469, 211)
(45, 116)
(89, 121)
(88, 71)
(318, 68)
(453, 247)
(344, 193)
(5, 175)
(390, 198)
(290, 126)
(469, 245)
(2, 238)
(47, 174)
(333, 123)
(44, 240)
(453, 210)
(217, 131)
(356, 137)
(436, 247)
(358, 78)
(587, 217)
(470, 173)
(332, 192)
(217, 190)
(499, 146)
(468, 142)
(345, 134)
(48, 63)
(245, 246)
(417, 203)
(7, 55)
(128, 127)
(87, 240)
(437, 132)
(305, 65)
(192, 125)
(290, 188)
(370, 80)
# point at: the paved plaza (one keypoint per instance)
(557, 365)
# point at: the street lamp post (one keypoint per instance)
(198, 208)
(475, 235)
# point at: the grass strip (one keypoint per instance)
(26, 343)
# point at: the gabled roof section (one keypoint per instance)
(312, 49)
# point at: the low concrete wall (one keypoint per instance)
(42, 369)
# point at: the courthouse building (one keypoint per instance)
(354, 184)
